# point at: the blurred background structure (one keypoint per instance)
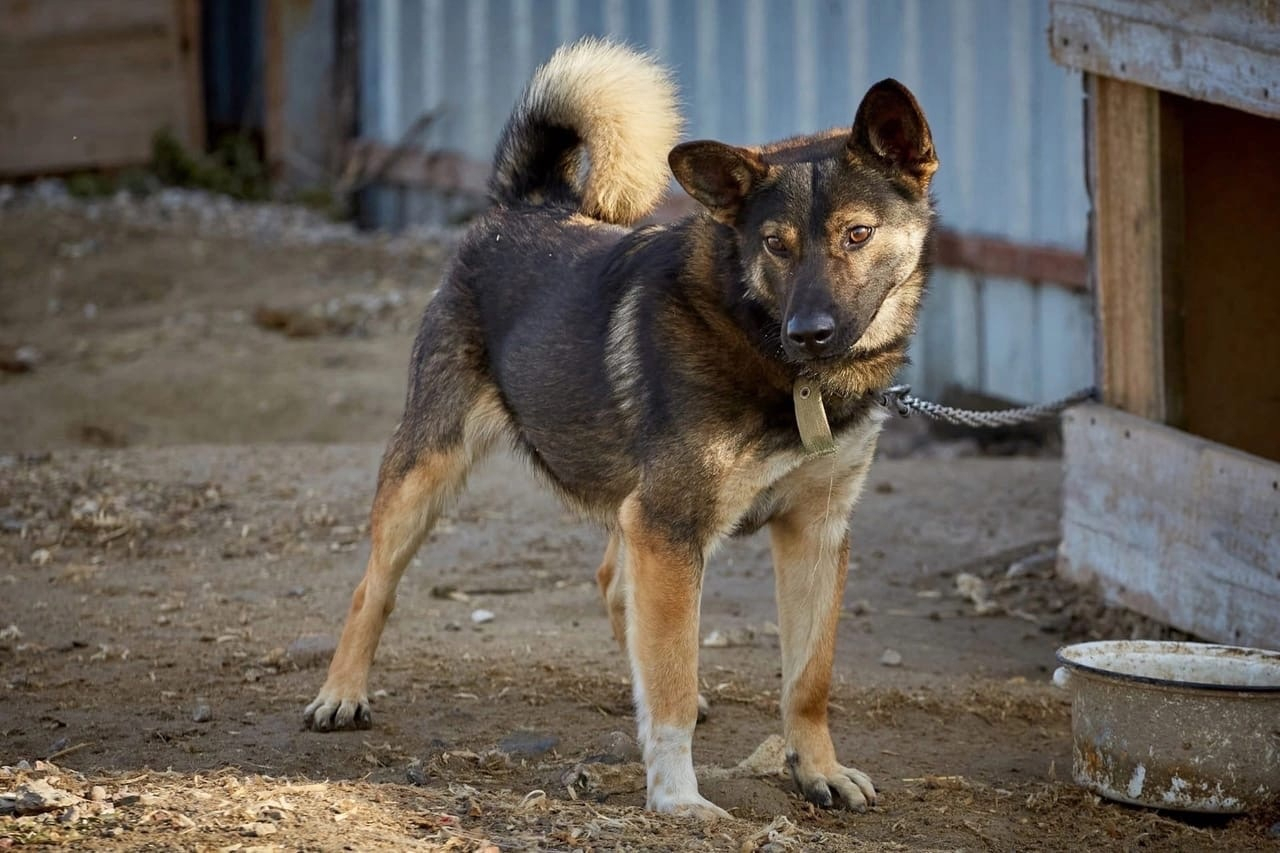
(397, 104)
(1007, 316)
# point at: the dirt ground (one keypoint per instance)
(190, 419)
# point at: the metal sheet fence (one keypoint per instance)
(1007, 123)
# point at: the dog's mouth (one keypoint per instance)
(815, 365)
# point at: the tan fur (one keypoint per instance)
(623, 104)
(809, 537)
(611, 578)
(663, 591)
(405, 508)
(403, 511)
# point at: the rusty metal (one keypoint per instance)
(1184, 726)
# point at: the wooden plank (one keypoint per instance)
(1230, 303)
(1176, 527)
(68, 105)
(1224, 53)
(1131, 247)
(27, 22)
(995, 257)
(189, 60)
(87, 85)
(273, 118)
(441, 171)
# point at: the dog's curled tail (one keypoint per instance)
(619, 104)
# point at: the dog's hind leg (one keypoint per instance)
(415, 484)
(611, 578)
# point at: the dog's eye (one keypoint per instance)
(859, 234)
(775, 245)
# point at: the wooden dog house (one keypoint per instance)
(1172, 494)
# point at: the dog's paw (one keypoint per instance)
(331, 711)
(704, 708)
(832, 785)
(695, 805)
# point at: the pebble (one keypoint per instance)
(71, 815)
(202, 712)
(415, 774)
(38, 796)
(528, 743)
(98, 793)
(41, 556)
(767, 759)
(311, 650)
(890, 658)
(479, 617)
(614, 748)
(718, 639)
(258, 829)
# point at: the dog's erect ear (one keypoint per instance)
(891, 128)
(718, 176)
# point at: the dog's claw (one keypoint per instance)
(824, 787)
(819, 793)
(333, 714)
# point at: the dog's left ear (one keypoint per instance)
(717, 175)
(891, 129)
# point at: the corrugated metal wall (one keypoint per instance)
(1006, 121)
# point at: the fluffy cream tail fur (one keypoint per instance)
(620, 104)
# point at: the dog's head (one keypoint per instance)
(831, 229)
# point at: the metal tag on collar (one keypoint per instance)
(811, 418)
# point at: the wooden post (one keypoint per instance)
(190, 59)
(1133, 185)
(274, 142)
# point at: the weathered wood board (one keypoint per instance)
(86, 84)
(1223, 52)
(1182, 529)
(1230, 288)
(1134, 246)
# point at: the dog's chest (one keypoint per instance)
(767, 482)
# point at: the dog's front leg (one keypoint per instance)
(810, 557)
(664, 591)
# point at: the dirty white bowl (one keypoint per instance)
(1186, 726)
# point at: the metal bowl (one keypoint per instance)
(1185, 726)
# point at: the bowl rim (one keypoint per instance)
(1169, 646)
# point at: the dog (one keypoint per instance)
(678, 382)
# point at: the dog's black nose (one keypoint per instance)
(815, 332)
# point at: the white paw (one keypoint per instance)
(331, 711)
(694, 805)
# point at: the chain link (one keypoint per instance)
(898, 399)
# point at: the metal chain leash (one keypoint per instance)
(898, 399)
